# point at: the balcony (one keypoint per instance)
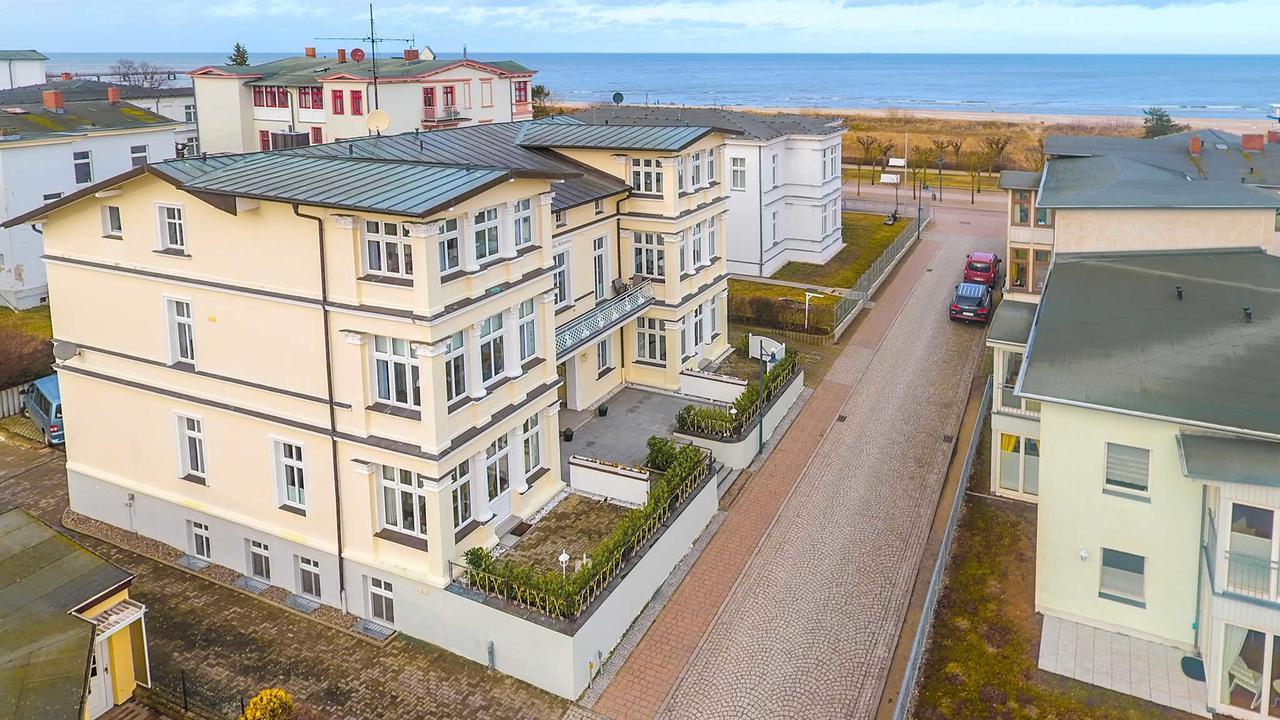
(447, 113)
(606, 316)
(1010, 403)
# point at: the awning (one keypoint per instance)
(1226, 458)
(1011, 322)
(117, 617)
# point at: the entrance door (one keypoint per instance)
(498, 476)
(99, 700)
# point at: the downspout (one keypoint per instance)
(333, 420)
(760, 193)
(1200, 562)
(617, 236)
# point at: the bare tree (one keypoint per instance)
(957, 146)
(940, 146)
(140, 73)
(918, 164)
(869, 145)
(974, 162)
(995, 146)
(1035, 157)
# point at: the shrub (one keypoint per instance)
(662, 452)
(715, 422)
(269, 704)
(23, 357)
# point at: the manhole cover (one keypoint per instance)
(842, 418)
(928, 269)
(948, 438)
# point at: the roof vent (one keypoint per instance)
(321, 69)
(1248, 314)
(17, 111)
(1179, 289)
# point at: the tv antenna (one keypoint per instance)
(373, 41)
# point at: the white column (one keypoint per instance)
(545, 328)
(516, 460)
(435, 410)
(542, 225)
(506, 230)
(511, 342)
(671, 245)
(467, 240)
(475, 380)
(480, 489)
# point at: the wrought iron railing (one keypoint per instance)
(565, 603)
(582, 329)
(720, 424)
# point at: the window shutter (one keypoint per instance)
(1127, 467)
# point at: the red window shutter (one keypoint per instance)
(264, 140)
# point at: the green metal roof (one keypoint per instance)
(22, 55)
(750, 126)
(1011, 322)
(657, 138)
(305, 71)
(44, 651)
(1019, 180)
(1111, 333)
(1226, 458)
(31, 120)
(1114, 181)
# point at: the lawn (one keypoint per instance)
(865, 237)
(949, 179)
(34, 322)
(982, 655)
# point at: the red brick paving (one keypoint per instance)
(641, 686)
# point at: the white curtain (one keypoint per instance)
(1232, 643)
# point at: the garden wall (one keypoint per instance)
(740, 452)
(711, 386)
(618, 482)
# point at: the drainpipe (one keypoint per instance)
(328, 377)
(1200, 562)
(617, 236)
(760, 204)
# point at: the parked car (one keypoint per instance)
(982, 267)
(972, 303)
(43, 404)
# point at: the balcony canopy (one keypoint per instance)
(1224, 458)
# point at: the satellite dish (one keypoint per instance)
(63, 350)
(617, 98)
(357, 54)
(377, 121)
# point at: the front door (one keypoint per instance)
(498, 476)
(99, 700)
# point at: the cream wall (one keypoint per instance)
(1085, 230)
(1075, 514)
(224, 120)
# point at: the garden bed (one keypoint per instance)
(575, 525)
(865, 239)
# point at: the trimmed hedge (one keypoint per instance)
(715, 422)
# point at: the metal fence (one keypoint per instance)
(11, 400)
(174, 689)
(906, 692)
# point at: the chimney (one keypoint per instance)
(309, 52)
(1273, 136)
(410, 54)
(113, 95)
(342, 55)
(53, 101)
(1194, 143)
(66, 76)
(1251, 142)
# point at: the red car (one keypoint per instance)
(982, 268)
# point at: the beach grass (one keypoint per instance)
(865, 238)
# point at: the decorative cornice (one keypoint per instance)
(352, 337)
(344, 222)
(418, 230)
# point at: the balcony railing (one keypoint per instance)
(441, 114)
(602, 318)
(1010, 402)
(1251, 575)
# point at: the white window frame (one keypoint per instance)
(711, 238)
(492, 340)
(559, 217)
(695, 170)
(395, 244)
(600, 266)
(561, 279)
(395, 484)
(198, 532)
(695, 240)
(680, 184)
(385, 592)
(602, 355)
(455, 367)
(531, 444)
(773, 224)
(713, 318)
(384, 349)
(737, 173)
(290, 466)
(649, 332)
(699, 330)
(522, 222)
(189, 113)
(138, 153)
(171, 232)
(191, 455)
(182, 346)
(306, 566)
(527, 317)
(774, 170)
(711, 166)
(646, 176)
(85, 158)
(459, 481)
(497, 466)
(449, 244)
(112, 223)
(599, 207)
(486, 232)
(650, 255)
(258, 549)
(835, 214)
(682, 247)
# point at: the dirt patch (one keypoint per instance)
(575, 526)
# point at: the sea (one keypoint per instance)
(1219, 86)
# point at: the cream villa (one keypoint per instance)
(315, 99)
(1136, 401)
(336, 368)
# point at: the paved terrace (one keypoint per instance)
(622, 436)
(795, 606)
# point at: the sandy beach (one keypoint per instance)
(1233, 125)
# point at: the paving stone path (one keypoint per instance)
(794, 607)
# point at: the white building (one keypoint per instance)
(315, 99)
(52, 148)
(21, 67)
(784, 181)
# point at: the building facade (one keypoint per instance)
(783, 177)
(425, 321)
(19, 68)
(314, 99)
(51, 148)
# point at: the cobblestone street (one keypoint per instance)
(230, 644)
(803, 623)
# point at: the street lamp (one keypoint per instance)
(564, 562)
(939, 177)
(764, 364)
(807, 297)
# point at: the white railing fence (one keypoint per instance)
(11, 400)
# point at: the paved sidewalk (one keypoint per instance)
(794, 607)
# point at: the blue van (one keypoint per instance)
(43, 403)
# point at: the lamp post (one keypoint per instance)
(939, 177)
(564, 562)
(807, 297)
(764, 365)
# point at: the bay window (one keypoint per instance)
(447, 232)
(695, 170)
(497, 466)
(711, 238)
(531, 440)
(387, 249)
(646, 175)
(528, 330)
(485, 232)
(523, 222)
(560, 279)
(460, 480)
(404, 501)
(455, 368)
(650, 255)
(651, 341)
(696, 239)
(395, 369)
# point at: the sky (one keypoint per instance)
(966, 26)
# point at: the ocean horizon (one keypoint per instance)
(1219, 86)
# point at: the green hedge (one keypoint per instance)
(715, 422)
(780, 313)
(565, 596)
